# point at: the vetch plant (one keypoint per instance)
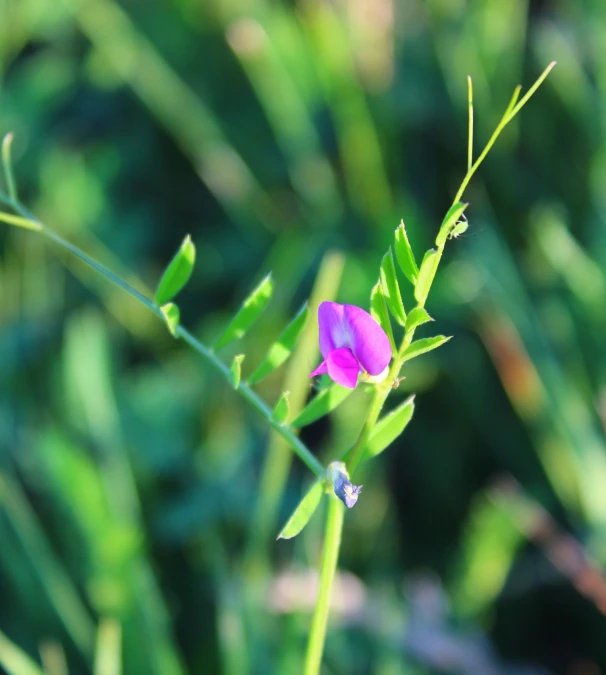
(358, 349)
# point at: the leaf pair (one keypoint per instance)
(386, 293)
(279, 351)
(385, 297)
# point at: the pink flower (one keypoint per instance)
(352, 343)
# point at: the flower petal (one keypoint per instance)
(343, 367)
(331, 325)
(322, 369)
(366, 339)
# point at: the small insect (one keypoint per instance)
(398, 381)
(459, 228)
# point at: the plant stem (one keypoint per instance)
(299, 448)
(511, 111)
(330, 556)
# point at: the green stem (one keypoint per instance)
(330, 556)
(299, 448)
(511, 111)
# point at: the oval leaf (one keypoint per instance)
(424, 345)
(417, 317)
(326, 401)
(172, 316)
(389, 428)
(391, 289)
(250, 311)
(426, 275)
(177, 273)
(235, 372)
(282, 409)
(378, 311)
(451, 219)
(304, 511)
(282, 348)
(404, 255)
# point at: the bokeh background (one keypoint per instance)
(139, 496)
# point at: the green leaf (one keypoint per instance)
(426, 275)
(378, 311)
(451, 219)
(172, 317)
(304, 511)
(108, 656)
(236, 370)
(282, 348)
(28, 224)
(14, 660)
(7, 164)
(326, 401)
(490, 544)
(389, 428)
(417, 317)
(391, 290)
(423, 346)
(282, 409)
(404, 255)
(248, 313)
(177, 273)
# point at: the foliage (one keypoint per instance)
(132, 489)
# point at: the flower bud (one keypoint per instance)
(342, 486)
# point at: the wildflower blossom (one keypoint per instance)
(352, 344)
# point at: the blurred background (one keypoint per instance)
(139, 496)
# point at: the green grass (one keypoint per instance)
(131, 475)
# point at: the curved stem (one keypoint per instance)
(330, 556)
(299, 448)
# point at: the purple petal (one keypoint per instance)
(347, 492)
(331, 325)
(322, 369)
(343, 367)
(366, 339)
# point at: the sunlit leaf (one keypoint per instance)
(282, 409)
(14, 660)
(172, 316)
(378, 311)
(177, 273)
(426, 275)
(391, 289)
(282, 348)
(11, 219)
(389, 428)
(451, 219)
(7, 165)
(248, 313)
(304, 511)
(417, 317)
(236, 370)
(108, 654)
(404, 255)
(326, 401)
(489, 543)
(424, 345)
